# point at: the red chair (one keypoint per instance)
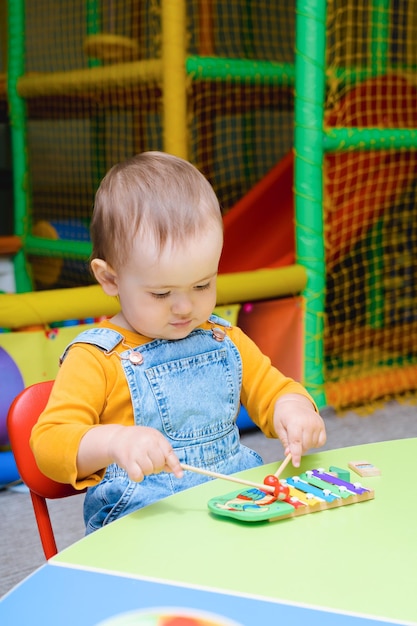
(22, 416)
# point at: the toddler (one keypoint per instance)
(161, 383)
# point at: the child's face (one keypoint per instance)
(168, 294)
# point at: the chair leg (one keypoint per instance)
(43, 521)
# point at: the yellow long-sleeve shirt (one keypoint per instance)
(91, 389)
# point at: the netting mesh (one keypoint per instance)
(371, 204)
(80, 122)
(95, 86)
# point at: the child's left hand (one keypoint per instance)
(298, 426)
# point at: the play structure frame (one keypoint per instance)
(312, 141)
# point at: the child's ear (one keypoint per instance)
(106, 276)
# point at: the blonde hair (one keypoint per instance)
(153, 193)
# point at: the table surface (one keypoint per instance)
(357, 561)
(66, 596)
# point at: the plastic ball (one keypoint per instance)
(12, 384)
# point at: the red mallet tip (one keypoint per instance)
(281, 492)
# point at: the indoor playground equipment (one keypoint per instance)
(303, 117)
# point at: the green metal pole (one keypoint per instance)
(338, 139)
(93, 20)
(309, 111)
(247, 71)
(98, 122)
(379, 35)
(248, 120)
(18, 129)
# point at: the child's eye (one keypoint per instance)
(202, 287)
(160, 296)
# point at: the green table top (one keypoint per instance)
(360, 558)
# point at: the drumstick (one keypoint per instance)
(283, 465)
(232, 479)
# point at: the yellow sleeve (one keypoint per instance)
(262, 383)
(86, 385)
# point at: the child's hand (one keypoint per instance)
(140, 450)
(298, 426)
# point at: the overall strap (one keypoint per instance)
(105, 339)
(215, 319)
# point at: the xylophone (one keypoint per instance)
(314, 490)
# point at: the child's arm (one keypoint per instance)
(88, 422)
(139, 450)
(298, 425)
(278, 405)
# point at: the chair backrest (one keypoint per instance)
(22, 416)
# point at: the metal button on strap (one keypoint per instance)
(135, 358)
(218, 334)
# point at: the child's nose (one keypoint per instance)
(182, 304)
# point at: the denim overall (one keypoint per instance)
(189, 390)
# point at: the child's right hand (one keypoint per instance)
(140, 450)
